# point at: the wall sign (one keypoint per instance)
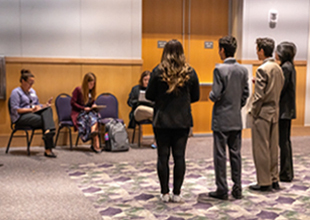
(208, 44)
(161, 43)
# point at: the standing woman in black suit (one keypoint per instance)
(285, 52)
(173, 86)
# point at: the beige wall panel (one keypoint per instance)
(208, 22)
(161, 21)
(12, 81)
(209, 17)
(204, 60)
(301, 74)
(162, 16)
(202, 115)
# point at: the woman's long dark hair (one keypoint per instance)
(144, 74)
(173, 66)
(286, 51)
(89, 77)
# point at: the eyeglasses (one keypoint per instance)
(30, 83)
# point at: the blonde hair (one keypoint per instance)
(89, 77)
(173, 66)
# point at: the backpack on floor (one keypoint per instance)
(116, 137)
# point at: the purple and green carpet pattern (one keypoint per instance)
(130, 190)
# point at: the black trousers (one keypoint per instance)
(286, 157)
(174, 139)
(42, 120)
(233, 140)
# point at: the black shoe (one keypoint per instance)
(93, 149)
(50, 155)
(257, 187)
(236, 194)
(276, 186)
(216, 195)
(286, 180)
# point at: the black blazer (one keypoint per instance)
(287, 98)
(172, 110)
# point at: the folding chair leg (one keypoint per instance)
(133, 135)
(7, 148)
(70, 138)
(99, 135)
(77, 140)
(28, 142)
(139, 135)
(55, 144)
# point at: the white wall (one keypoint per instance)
(307, 108)
(293, 25)
(71, 28)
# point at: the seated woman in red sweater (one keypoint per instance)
(84, 118)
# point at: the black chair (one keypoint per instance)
(63, 108)
(16, 128)
(139, 123)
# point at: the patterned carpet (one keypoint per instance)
(131, 191)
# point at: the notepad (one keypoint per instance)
(142, 97)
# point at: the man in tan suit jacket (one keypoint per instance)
(265, 111)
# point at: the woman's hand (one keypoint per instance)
(36, 108)
(87, 109)
(48, 103)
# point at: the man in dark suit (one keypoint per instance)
(269, 82)
(229, 93)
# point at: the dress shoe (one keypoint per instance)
(50, 155)
(236, 194)
(257, 187)
(276, 186)
(217, 195)
(93, 149)
(285, 180)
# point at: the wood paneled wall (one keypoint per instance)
(192, 23)
(202, 20)
(55, 76)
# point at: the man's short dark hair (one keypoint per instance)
(229, 43)
(267, 44)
